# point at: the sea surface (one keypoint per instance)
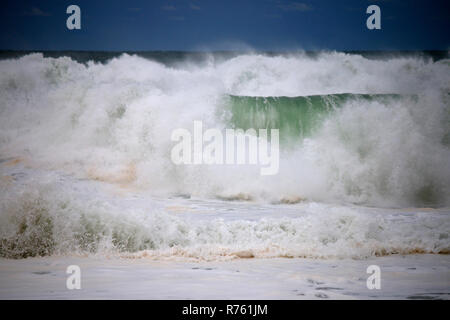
(86, 175)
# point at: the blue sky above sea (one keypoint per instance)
(203, 25)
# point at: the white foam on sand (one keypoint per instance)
(402, 277)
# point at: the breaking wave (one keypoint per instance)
(354, 131)
(45, 219)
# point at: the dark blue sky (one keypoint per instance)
(225, 25)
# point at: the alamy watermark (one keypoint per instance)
(74, 20)
(74, 279)
(374, 20)
(233, 146)
(374, 280)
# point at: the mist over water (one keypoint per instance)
(353, 130)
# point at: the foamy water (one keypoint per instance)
(86, 168)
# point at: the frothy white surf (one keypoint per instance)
(112, 122)
(54, 217)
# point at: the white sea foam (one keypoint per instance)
(112, 122)
(53, 216)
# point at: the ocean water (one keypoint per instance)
(85, 162)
